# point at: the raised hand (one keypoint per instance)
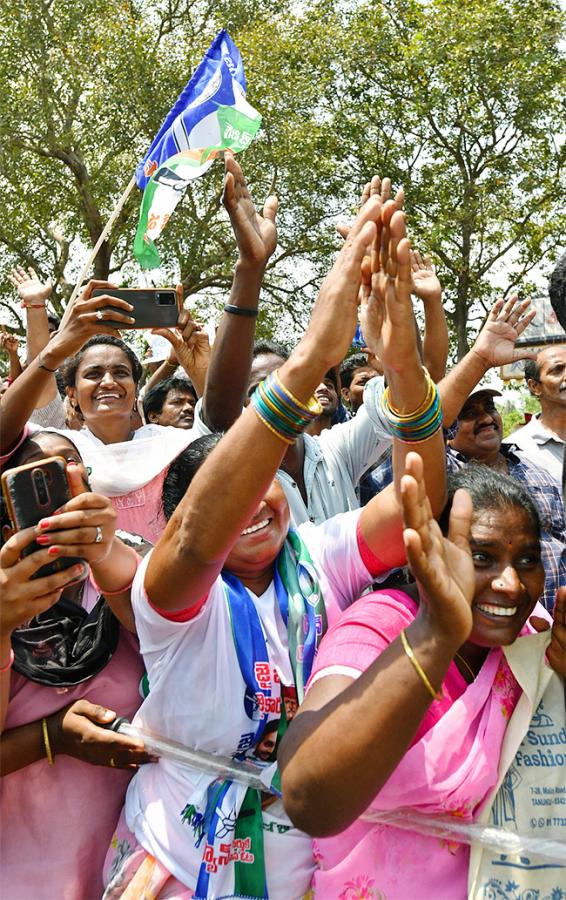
(87, 318)
(495, 344)
(442, 566)
(9, 342)
(375, 188)
(256, 236)
(426, 285)
(335, 313)
(189, 342)
(32, 291)
(390, 294)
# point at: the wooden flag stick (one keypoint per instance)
(103, 235)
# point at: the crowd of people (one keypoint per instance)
(325, 563)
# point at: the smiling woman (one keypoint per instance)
(368, 734)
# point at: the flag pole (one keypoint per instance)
(103, 235)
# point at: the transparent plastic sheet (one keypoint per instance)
(254, 776)
(498, 840)
(449, 828)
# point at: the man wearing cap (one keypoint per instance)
(478, 440)
(542, 439)
(477, 431)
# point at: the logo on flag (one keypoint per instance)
(211, 115)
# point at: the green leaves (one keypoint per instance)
(457, 100)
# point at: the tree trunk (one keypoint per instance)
(461, 314)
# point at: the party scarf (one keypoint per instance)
(303, 612)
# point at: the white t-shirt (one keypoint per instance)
(196, 697)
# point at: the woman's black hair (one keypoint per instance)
(489, 490)
(69, 368)
(156, 396)
(183, 469)
(17, 458)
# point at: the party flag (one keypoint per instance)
(211, 115)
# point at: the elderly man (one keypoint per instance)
(542, 439)
(478, 440)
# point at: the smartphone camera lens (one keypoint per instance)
(165, 298)
(40, 487)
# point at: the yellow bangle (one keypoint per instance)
(420, 410)
(46, 742)
(312, 407)
(436, 695)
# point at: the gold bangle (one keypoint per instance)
(420, 410)
(312, 407)
(46, 742)
(436, 695)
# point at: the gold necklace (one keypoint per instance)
(469, 668)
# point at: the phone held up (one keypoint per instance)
(153, 307)
(32, 492)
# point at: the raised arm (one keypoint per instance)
(427, 287)
(190, 349)
(86, 319)
(494, 346)
(10, 343)
(349, 736)
(207, 522)
(388, 327)
(231, 358)
(34, 294)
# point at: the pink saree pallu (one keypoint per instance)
(451, 770)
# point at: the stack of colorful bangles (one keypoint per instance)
(280, 411)
(420, 424)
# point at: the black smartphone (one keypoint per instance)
(153, 307)
(33, 492)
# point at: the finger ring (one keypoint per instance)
(99, 535)
(99, 315)
(112, 763)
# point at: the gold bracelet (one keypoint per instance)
(46, 742)
(420, 410)
(436, 695)
(312, 407)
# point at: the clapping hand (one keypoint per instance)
(386, 312)
(442, 566)
(256, 236)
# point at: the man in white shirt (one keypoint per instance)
(319, 474)
(542, 439)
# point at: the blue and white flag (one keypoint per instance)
(210, 116)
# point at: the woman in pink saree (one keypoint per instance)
(410, 695)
